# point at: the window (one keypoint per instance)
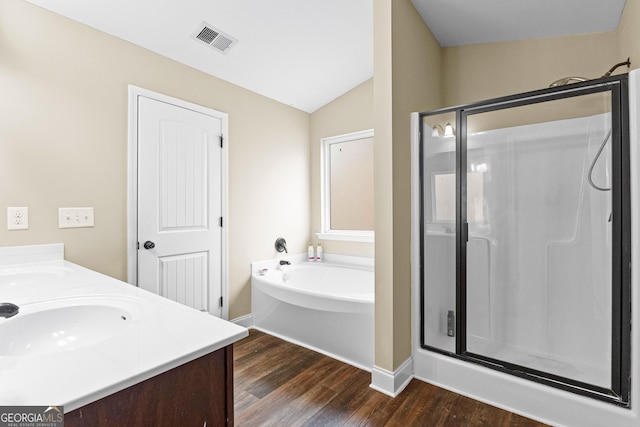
(444, 186)
(347, 187)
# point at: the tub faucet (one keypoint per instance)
(281, 245)
(8, 310)
(284, 262)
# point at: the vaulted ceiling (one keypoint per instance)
(306, 53)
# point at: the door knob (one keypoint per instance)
(149, 244)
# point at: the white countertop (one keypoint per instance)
(163, 335)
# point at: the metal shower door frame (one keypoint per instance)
(621, 243)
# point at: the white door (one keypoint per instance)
(180, 204)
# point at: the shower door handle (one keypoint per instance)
(465, 231)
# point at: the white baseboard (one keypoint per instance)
(244, 321)
(392, 383)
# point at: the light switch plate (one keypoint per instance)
(75, 217)
(18, 218)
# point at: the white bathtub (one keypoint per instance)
(327, 307)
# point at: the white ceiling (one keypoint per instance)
(306, 53)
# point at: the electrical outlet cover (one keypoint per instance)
(17, 218)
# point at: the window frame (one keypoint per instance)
(328, 233)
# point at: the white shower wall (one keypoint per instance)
(539, 263)
(538, 255)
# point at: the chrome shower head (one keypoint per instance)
(566, 80)
(620, 64)
(574, 79)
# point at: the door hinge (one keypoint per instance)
(221, 140)
(137, 245)
(220, 221)
(220, 301)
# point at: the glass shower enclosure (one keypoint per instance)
(525, 236)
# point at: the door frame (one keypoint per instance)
(134, 93)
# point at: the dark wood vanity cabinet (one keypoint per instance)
(195, 393)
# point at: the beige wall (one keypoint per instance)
(483, 71)
(383, 181)
(628, 34)
(407, 79)
(416, 87)
(63, 139)
(351, 112)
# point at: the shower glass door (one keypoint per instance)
(439, 156)
(540, 237)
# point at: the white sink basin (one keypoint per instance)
(33, 272)
(22, 283)
(64, 325)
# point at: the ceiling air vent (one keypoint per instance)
(214, 38)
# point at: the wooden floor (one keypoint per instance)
(281, 384)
